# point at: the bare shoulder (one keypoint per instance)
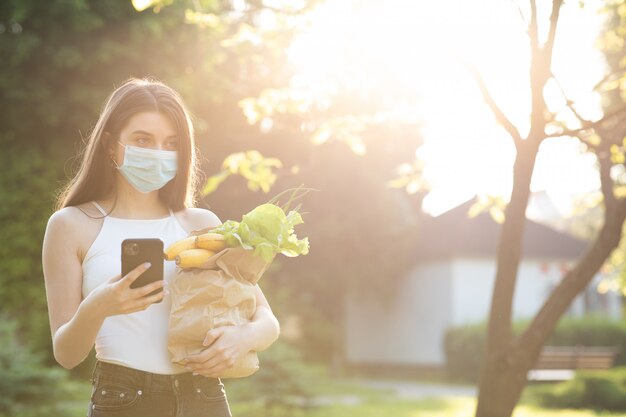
(76, 227)
(195, 218)
(67, 220)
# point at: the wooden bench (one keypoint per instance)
(559, 363)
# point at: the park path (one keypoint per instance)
(400, 389)
(419, 390)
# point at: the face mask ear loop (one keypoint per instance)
(113, 159)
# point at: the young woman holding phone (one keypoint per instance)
(137, 179)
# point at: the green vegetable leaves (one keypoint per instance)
(267, 230)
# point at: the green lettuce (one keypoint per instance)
(267, 230)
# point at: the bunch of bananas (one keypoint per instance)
(194, 251)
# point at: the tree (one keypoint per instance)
(508, 357)
(62, 58)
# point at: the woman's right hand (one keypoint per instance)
(116, 297)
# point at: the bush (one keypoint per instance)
(600, 390)
(464, 348)
(27, 388)
(464, 345)
(282, 385)
(591, 331)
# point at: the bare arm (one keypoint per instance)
(264, 328)
(73, 331)
(74, 324)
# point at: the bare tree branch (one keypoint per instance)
(519, 10)
(606, 182)
(569, 103)
(533, 30)
(260, 5)
(606, 78)
(495, 109)
(588, 125)
(554, 18)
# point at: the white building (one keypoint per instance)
(451, 284)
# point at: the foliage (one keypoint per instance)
(282, 385)
(26, 180)
(251, 165)
(599, 390)
(267, 230)
(27, 388)
(464, 345)
(60, 61)
(464, 348)
(612, 44)
(591, 331)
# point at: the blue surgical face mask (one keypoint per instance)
(148, 169)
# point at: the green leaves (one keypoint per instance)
(495, 205)
(251, 165)
(409, 177)
(267, 230)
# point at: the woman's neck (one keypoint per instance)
(129, 203)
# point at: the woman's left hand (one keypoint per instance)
(226, 345)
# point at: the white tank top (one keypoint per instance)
(137, 340)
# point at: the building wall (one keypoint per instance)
(472, 286)
(409, 330)
(411, 327)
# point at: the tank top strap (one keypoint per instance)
(100, 209)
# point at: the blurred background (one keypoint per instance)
(372, 104)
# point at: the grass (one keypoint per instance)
(344, 398)
(440, 407)
(78, 398)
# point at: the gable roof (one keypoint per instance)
(454, 234)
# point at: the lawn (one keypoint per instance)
(347, 398)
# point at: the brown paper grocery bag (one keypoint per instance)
(221, 293)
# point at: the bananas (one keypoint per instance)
(193, 258)
(211, 241)
(194, 251)
(179, 246)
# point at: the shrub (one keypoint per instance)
(600, 390)
(27, 388)
(464, 348)
(283, 384)
(464, 345)
(591, 331)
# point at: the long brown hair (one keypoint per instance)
(95, 178)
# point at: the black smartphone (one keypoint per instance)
(137, 251)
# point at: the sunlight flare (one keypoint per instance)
(416, 53)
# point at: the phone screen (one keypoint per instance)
(137, 251)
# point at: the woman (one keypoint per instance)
(137, 180)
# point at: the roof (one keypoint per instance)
(454, 234)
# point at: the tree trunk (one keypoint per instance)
(503, 376)
(508, 360)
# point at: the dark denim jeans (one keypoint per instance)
(119, 391)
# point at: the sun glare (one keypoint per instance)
(422, 47)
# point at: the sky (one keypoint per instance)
(422, 45)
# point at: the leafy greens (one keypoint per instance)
(267, 230)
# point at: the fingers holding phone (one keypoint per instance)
(118, 297)
(134, 298)
(141, 282)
